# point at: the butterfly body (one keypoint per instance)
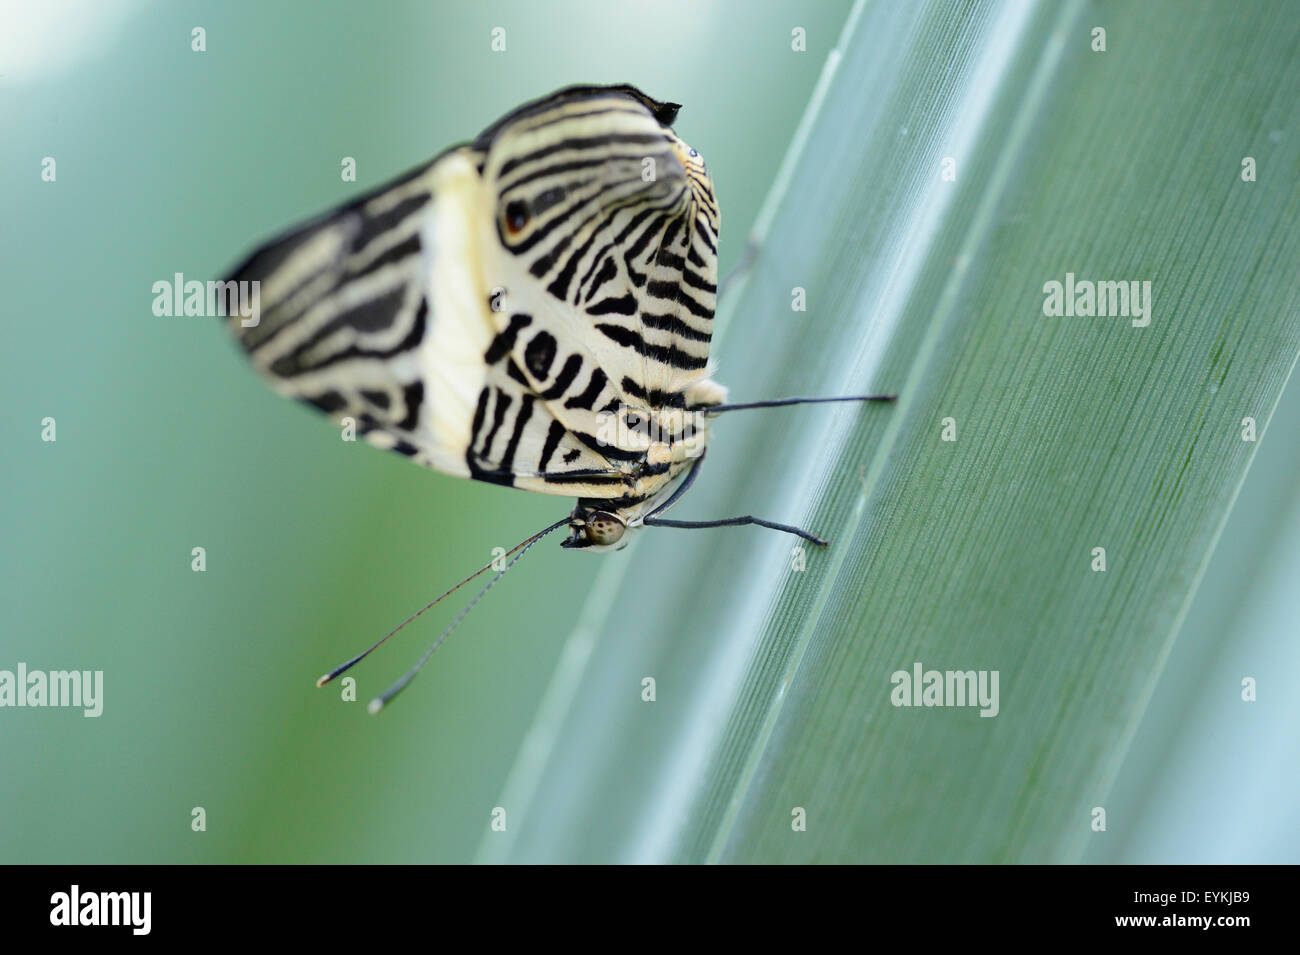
(533, 309)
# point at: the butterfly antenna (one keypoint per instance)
(524, 545)
(782, 402)
(379, 702)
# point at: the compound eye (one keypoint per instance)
(604, 528)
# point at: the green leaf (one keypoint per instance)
(773, 685)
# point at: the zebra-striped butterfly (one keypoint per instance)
(532, 309)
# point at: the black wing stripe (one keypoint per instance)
(587, 400)
(553, 436)
(521, 421)
(669, 355)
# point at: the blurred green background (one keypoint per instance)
(169, 160)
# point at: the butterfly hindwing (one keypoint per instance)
(607, 229)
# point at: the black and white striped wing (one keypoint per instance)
(379, 312)
(606, 234)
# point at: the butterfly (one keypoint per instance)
(532, 309)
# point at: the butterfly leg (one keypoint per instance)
(736, 522)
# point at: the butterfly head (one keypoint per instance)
(595, 530)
